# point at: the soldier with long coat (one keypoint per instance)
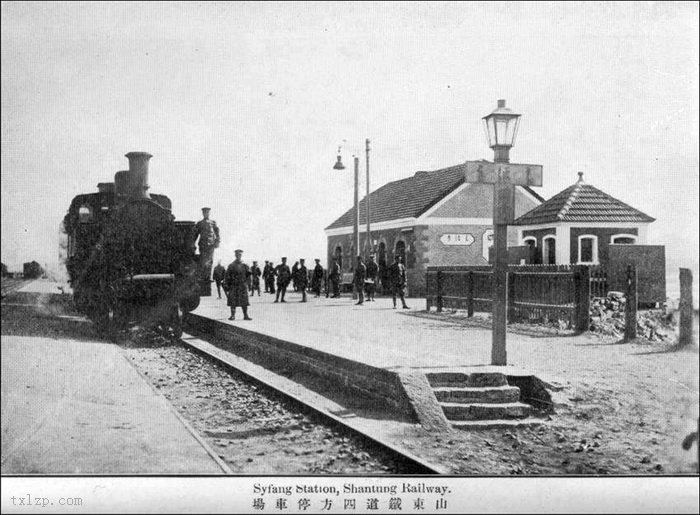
(236, 286)
(317, 278)
(397, 281)
(334, 279)
(302, 279)
(284, 275)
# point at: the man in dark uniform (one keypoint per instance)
(265, 272)
(271, 277)
(358, 279)
(317, 278)
(219, 274)
(397, 281)
(371, 279)
(236, 282)
(284, 275)
(207, 232)
(255, 278)
(295, 267)
(334, 279)
(302, 279)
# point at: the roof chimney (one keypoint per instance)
(137, 182)
(580, 177)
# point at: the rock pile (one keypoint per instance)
(608, 319)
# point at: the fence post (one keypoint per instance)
(685, 325)
(631, 304)
(584, 298)
(510, 300)
(470, 294)
(439, 291)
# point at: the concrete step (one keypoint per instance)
(511, 410)
(489, 394)
(461, 379)
(470, 425)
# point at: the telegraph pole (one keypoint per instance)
(369, 238)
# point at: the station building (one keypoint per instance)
(579, 226)
(433, 218)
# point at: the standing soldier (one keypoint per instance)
(207, 232)
(302, 279)
(371, 280)
(284, 275)
(334, 279)
(236, 282)
(265, 273)
(317, 278)
(295, 267)
(358, 279)
(255, 278)
(271, 277)
(397, 281)
(219, 273)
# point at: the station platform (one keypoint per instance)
(375, 353)
(79, 407)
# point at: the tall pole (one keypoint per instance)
(356, 222)
(369, 237)
(502, 207)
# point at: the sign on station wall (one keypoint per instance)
(464, 239)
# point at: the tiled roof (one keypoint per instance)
(408, 198)
(582, 202)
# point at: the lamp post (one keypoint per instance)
(501, 128)
(356, 219)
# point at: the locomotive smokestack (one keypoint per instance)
(138, 174)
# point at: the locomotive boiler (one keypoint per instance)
(129, 261)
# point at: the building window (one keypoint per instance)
(549, 250)
(623, 239)
(588, 249)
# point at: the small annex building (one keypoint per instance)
(578, 225)
(433, 218)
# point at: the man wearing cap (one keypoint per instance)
(255, 278)
(219, 274)
(284, 275)
(236, 282)
(207, 232)
(270, 280)
(371, 279)
(317, 278)
(397, 281)
(334, 279)
(358, 279)
(302, 278)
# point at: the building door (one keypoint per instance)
(339, 256)
(549, 251)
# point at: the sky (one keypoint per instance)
(243, 106)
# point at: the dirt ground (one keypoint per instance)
(626, 409)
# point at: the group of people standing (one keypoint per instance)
(238, 279)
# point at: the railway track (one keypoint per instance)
(403, 461)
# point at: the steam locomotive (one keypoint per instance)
(129, 261)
